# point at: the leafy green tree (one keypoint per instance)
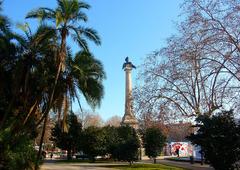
(23, 90)
(93, 142)
(219, 138)
(154, 141)
(126, 149)
(112, 139)
(68, 140)
(65, 18)
(17, 154)
(28, 67)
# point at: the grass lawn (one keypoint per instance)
(144, 167)
(186, 159)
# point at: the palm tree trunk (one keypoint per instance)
(69, 154)
(41, 142)
(6, 114)
(62, 57)
(46, 115)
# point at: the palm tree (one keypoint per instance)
(39, 49)
(83, 74)
(25, 73)
(66, 18)
(33, 51)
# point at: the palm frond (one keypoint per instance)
(87, 62)
(86, 71)
(83, 5)
(25, 28)
(81, 42)
(59, 17)
(21, 40)
(4, 24)
(80, 16)
(90, 34)
(60, 4)
(42, 14)
(45, 32)
(93, 92)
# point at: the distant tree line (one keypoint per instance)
(120, 143)
(117, 143)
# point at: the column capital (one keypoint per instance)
(128, 67)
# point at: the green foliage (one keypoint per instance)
(87, 74)
(127, 144)
(29, 87)
(66, 18)
(68, 140)
(112, 139)
(93, 142)
(154, 141)
(122, 143)
(219, 138)
(18, 153)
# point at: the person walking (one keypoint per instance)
(177, 151)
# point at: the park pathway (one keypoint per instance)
(52, 165)
(74, 166)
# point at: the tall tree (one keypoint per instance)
(28, 73)
(65, 18)
(196, 73)
(214, 25)
(83, 75)
(24, 72)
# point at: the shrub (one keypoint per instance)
(219, 138)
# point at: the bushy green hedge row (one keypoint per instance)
(17, 152)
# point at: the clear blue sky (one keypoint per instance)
(131, 28)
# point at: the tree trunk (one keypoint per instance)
(41, 142)
(69, 154)
(62, 57)
(154, 160)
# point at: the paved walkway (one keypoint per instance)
(74, 166)
(51, 165)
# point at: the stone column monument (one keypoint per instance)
(129, 118)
